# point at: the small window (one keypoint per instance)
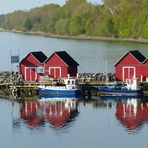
(40, 70)
(73, 82)
(68, 82)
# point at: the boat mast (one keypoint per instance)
(106, 72)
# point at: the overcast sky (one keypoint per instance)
(7, 6)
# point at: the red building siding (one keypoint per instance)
(129, 67)
(28, 68)
(56, 67)
(129, 59)
(146, 61)
(59, 64)
(126, 67)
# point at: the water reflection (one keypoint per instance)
(32, 114)
(131, 112)
(59, 113)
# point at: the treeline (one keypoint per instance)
(112, 18)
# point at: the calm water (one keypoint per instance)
(103, 123)
(91, 55)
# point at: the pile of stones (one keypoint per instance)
(8, 77)
(101, 77)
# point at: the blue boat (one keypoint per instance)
(70, 89)
(130, 89)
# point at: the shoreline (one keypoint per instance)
(79, 37)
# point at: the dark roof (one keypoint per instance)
(66, 58)
(40, 56)
(137, 55)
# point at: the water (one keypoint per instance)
(110, 122)
(91, 55)
(107, 122)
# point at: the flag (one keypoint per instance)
(15, 59)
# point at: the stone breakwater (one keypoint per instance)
(12, 77)
(99, 77)
(8, 77)
(11, 84)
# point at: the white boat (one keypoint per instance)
(68, 89)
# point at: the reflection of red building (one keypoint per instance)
(131, 113)
(57, 113)
(31, 114)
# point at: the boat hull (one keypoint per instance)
(60, 93)
(120, 92)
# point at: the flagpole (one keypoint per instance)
(18, 61)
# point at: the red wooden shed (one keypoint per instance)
(60, 64)
(132, 64)
(32, 66)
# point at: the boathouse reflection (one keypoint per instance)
(32, 114)
(58, 113)
(132, 113)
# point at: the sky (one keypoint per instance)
(7, 6)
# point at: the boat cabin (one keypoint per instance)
(132, 84)
(70, 82)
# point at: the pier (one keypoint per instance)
(88, 82)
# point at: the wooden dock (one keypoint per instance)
(31, 88)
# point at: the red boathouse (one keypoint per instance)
(60, 64)
(132, 64)
(32, 66)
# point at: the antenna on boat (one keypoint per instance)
(106, 71)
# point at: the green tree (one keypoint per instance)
(145, 30)
(75, 26)
(113, 18)
(28, 24)
(62, 26)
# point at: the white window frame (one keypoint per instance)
(55, 70)
(30, 72)
(42, 68)
(128, 67)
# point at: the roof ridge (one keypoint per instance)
(66, 58)
(41, 58)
